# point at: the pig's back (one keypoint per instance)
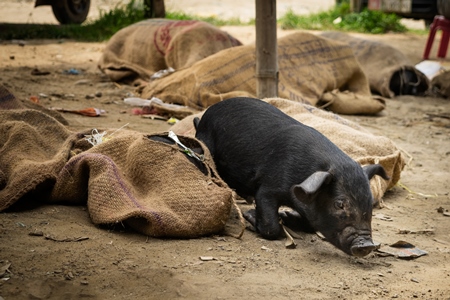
(247, 122)
(246, 112)
(254, 143)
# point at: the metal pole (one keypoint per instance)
(266, 49)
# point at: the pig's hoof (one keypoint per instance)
(250, 216)
(271, 232)
(250, 200)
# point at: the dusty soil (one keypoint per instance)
(120, 264)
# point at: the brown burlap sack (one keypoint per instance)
(169, 111)
(136, 52)
(9, 101)
(361, 145)
(388, 70)
(151, 185)
(440, 84)
(310, 67)
(33, 148)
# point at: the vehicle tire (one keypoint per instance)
(443, 7)
(71, 11)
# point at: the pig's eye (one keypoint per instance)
(339, 204)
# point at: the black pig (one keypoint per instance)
(263, 153)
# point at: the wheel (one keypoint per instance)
(71, 11)
(444, 8)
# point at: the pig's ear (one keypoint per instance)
(372, 170)
(306, 190)
(196, 121)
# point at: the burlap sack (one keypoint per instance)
(9, 101)
(361, 145)
(33, 148)
(310, 68)
(136, 52)
(150, 185)
(440, 84)
(387, 69)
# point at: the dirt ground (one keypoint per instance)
(120, 264)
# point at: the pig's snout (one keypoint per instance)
(362, 246)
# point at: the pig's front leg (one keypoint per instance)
(250, 216)
(265, 218)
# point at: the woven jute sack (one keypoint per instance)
(148, 183)
(33, 148)
(151, 185)
(361, 145)
(440, 84)
(312, 70)
(138, 51)
(385, 66)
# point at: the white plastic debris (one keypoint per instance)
(429, 68)
(337, 20)
(137, 101)
(187, 150)
(95, 138)
(146, 102)
(162, 73)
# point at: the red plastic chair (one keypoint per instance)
(439, 23)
